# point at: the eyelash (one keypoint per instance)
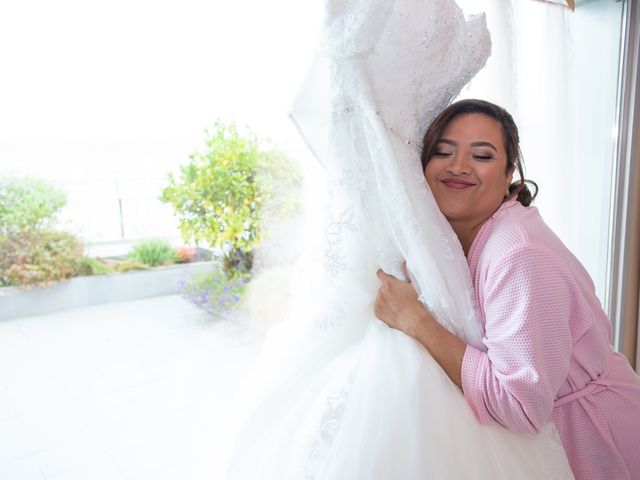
(482, 158)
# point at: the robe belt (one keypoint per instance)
(603, 382)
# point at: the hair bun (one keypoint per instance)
(522, 191)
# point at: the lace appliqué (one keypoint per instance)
(333, 317)
(328, 428)
(353, 27)
(335, 260)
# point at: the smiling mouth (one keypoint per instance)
(457, 184)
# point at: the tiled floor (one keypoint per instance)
(127, 391)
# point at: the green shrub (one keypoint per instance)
(28, 205)
(128, 265)
(218, 195)
(93, 266)
(39, 258)
(31, 252)
(154, 252)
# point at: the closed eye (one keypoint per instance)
(483, 158)
(441, 153)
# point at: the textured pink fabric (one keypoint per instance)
(548, 348)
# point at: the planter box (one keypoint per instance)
(96, 290)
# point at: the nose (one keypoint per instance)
(459, 164)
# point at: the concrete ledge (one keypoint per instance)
(96, 290)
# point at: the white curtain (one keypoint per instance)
(556, 71)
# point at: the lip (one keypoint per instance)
(456, 183)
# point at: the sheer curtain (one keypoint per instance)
(557, 72)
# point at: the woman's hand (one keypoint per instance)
(397, 303)
(398, 306)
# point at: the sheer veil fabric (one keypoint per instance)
(337, 394)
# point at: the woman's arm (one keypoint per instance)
(527, 307)
(398, 306)
(527, 296)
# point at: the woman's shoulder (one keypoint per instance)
(516, 228)
(519, 244)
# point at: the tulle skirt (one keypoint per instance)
(380, 408)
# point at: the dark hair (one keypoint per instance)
(518, 188)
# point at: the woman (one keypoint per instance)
(337, 394)
(547, 339)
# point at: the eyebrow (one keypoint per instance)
(474, 144)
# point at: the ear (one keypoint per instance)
(508, 182)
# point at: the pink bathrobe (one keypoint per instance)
(548, 348)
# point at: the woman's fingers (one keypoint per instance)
(382, 275)
(406, 271)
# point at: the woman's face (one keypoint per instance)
(467, 171)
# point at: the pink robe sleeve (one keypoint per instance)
(526, 302)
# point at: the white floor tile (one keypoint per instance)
(21, 469)
(136, 390)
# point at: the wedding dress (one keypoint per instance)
(338, 394)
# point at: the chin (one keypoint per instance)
(454, 215)
(454, 209)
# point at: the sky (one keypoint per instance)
(91, 88)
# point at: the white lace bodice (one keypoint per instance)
(390, 67)
(419, 54)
